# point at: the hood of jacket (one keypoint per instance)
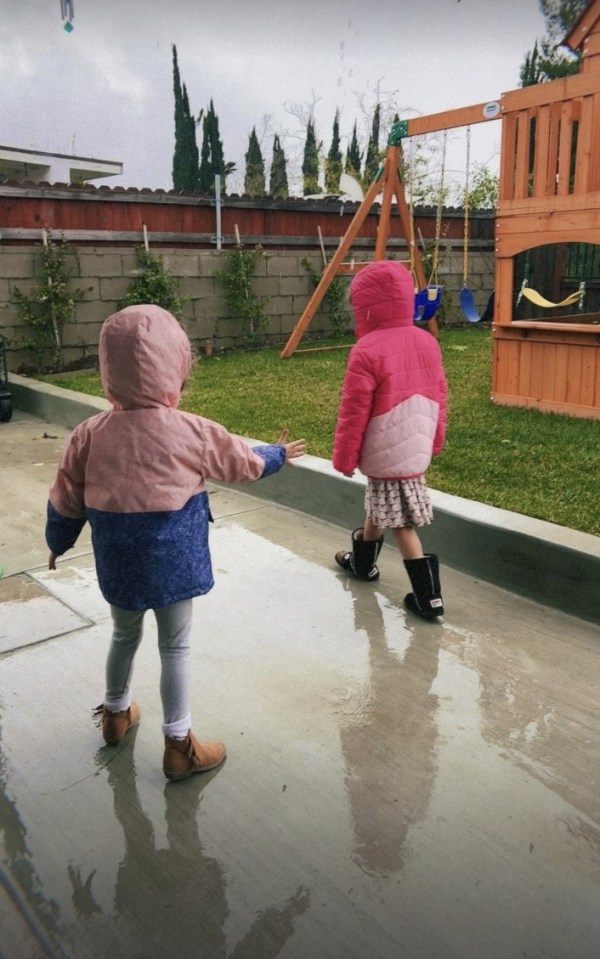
(144, 357)
(382, 295)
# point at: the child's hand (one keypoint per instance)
(293, 449)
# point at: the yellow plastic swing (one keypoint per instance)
(534, 297)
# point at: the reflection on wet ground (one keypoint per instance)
(392, 788)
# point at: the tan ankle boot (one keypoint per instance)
(184, 757)
(116, 725)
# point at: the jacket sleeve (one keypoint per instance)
(229, 459)
(273, 456)
(61, 531)
(354, 413)
(66, 508)
(440, 431)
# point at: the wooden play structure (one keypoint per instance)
(546, 325)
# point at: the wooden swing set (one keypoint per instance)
(549, 193)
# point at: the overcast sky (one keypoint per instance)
(105, 90)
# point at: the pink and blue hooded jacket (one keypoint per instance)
(137, 472)
(392, 413)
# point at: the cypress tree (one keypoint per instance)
(278, 181)
(206, 181)
(546, 61)
(310, 163)
(372, 158)
(530, 69)
(333, 164)
(254, 179)
(185, 154)
(191, 152)
(216, 146)
(353, 156)
(177, 93)
(212, 160)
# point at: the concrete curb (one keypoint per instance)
(52, 403)
(550, 564)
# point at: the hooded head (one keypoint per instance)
(382, 295)
(145, 357)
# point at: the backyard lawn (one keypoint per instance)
(539, 464)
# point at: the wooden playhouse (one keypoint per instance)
(546, 329)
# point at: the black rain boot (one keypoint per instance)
(361, 561)
(426, 598)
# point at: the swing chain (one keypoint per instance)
(409, 166)
(466, 212)
(438, 219)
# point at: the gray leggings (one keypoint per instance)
(174, 626)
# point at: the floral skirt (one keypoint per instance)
(394, 503)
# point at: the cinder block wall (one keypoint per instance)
(103, 275)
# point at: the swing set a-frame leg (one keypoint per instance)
(388, 181)
(333, 267)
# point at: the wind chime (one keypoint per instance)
(67, 13)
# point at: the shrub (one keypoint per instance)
(153, 285)
(236, 279)
(50, 305)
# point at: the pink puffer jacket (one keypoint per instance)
(392, 413)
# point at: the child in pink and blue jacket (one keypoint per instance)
(137, 473)
(391, 421)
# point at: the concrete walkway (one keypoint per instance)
(393, 788)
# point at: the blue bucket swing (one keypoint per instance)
(427, 302)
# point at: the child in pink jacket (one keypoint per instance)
(137, 473)
(391, 421)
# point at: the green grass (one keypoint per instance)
(539, 464)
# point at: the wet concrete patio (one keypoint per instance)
(393, 788)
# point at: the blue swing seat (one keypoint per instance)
(427, 302)
(467, 305)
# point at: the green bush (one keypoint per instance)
(241, 265)
(50, 306)
(153, 285)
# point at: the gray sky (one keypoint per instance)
(105, 90)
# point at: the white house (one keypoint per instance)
(38, 167)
